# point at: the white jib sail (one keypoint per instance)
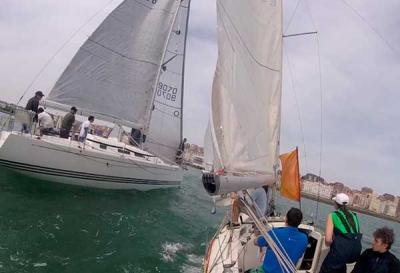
(115, 70)
(246, 95)
(165, 130)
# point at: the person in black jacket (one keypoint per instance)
(33, 105)
(378, 259)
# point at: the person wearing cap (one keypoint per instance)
(33, 105)
(378, 259)
(67, 123)
(342, 235)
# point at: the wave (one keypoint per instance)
(170, 250)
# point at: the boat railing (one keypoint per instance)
(15, 118)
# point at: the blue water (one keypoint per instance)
(46, 227)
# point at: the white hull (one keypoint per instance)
(61, 160)
(235, 249)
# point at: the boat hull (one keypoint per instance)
(62, 161)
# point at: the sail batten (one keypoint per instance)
(115, 70)
(247, 86)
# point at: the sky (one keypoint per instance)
(359, 49)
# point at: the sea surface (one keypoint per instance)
(47, 227)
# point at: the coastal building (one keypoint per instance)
(388, 208)
(309, 187)
(361, 199)
(375, 202)
(389, 204)
(337, 188)
(366, 190)
(398, 207)
(194, 155)
(326, 190)
(323, 189)
(312, 178)
(389, 197)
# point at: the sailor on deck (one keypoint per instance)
(33, 105)
(67, 123)
(85, 129)
(293, 241)
(342, 234)
(46, 122)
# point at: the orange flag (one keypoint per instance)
(290, 179)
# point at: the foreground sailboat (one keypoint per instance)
(244, 132)
(129, 73)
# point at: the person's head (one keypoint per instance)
(39, 95)
(40, 110)
(341, 200)
(184, 140)
(383, 239)
(294, 217)
(91, 119)
(74, 110)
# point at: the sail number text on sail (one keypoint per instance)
(167, 92)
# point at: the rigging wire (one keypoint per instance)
(292, 16)
(371, 27)
(298, 109)
(61, 48)
(321, 110)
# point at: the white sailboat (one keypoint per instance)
(244, 133)
(130, 73)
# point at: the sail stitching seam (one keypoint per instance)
(119, 53)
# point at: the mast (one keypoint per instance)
(183, 68)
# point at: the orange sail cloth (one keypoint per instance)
(290, 179)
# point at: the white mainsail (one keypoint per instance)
(115, 71)
(245, 128)
(246, 95)
(165, 131)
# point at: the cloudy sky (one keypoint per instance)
(359, 45)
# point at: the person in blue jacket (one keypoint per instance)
(293, 241)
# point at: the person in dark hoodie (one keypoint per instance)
(33, 105)
(378, 259)
(67, 122)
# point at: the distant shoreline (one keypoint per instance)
(357, 209)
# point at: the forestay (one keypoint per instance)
(115, 71)
(165, 131)
(246, 95)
